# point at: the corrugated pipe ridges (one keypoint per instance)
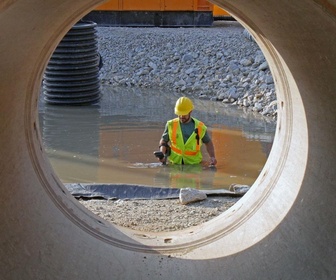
(71, 77)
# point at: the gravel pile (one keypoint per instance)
(222, 63)
(159, 215)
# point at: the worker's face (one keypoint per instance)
(185, 118)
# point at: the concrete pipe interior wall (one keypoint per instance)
(283, 228)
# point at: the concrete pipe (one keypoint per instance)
(283, 228)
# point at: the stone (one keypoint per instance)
(259, 59)
(269, 80)
(187, 57)
(246, 62)
(263, 66)
(189, 71)
(257, 107)
(246, 103)
(239, 189)
(152, 65)
(188, 195)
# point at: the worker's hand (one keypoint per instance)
(163, 160)
(213, 161)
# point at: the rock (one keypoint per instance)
(257, 107)
(233, 92)
(188, 195)
(274, 104)
(187, 57)
(259, 59)
(246, 62)
(189, 71)
(269, 80)
(263, 66)
(239, 189)
(152, 65)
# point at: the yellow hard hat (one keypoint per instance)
(183, 106)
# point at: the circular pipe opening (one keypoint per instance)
(250, 208)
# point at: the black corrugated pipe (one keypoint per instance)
(71, 77)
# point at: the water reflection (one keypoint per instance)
(71, 140)
(114, 141)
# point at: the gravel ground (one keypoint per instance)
(159, 215)
(221, 63)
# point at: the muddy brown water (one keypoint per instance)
(114, 141)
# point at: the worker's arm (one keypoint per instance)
(163, 146)
(211, 151)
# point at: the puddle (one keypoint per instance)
(114, 141)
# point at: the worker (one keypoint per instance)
(182, 138)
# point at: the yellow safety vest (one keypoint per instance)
(189, 152)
